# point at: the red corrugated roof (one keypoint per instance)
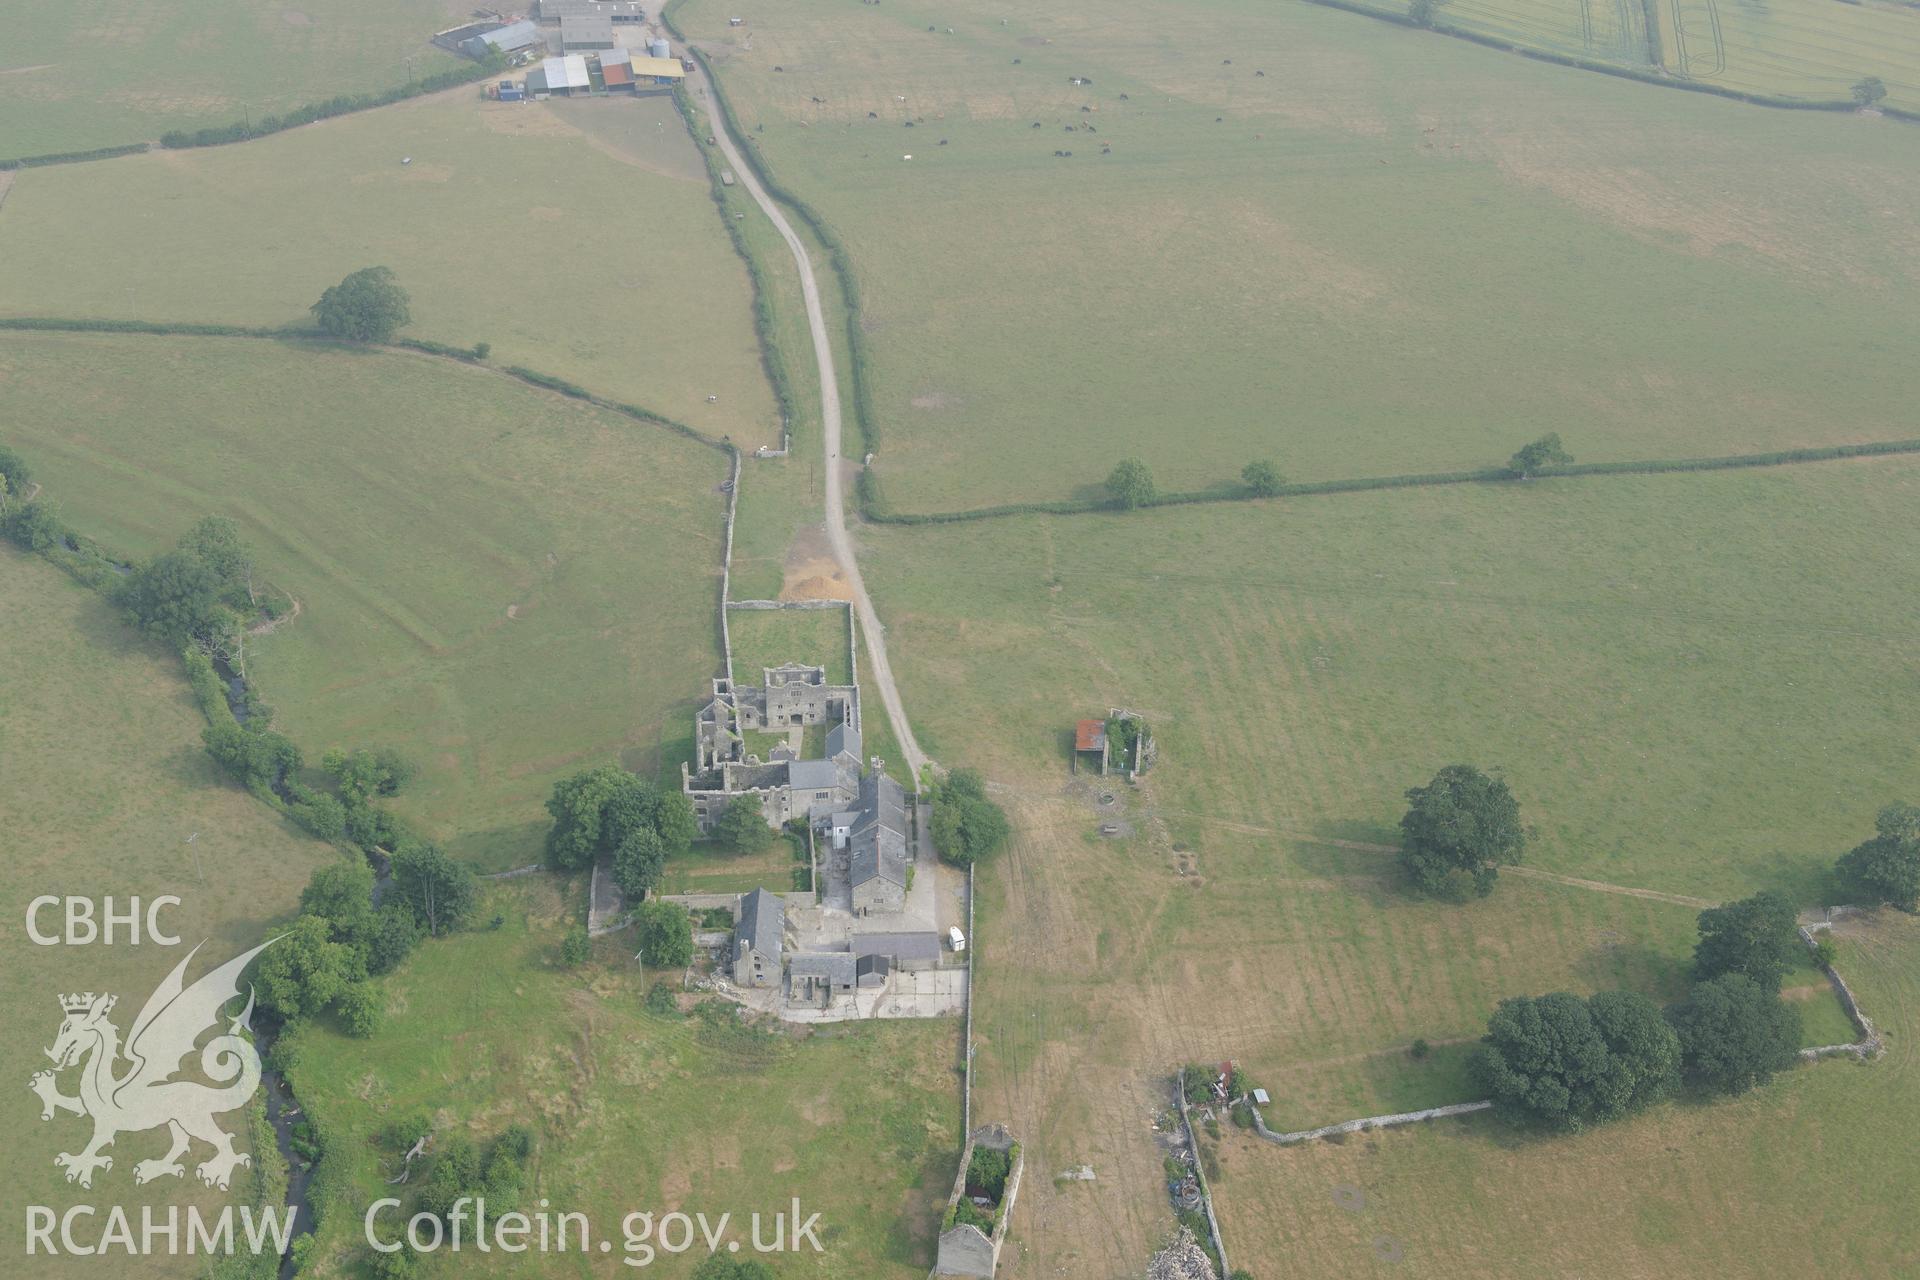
(615, 72)
(1090, 735)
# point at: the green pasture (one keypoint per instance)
(104, 790)
(1740, 1188)
(770, 637)
(635, 1111)
(83, 76)
(502, 583)
(1693, 683)
(1351, 248)
(577, 238)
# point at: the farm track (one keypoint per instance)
(870, 627)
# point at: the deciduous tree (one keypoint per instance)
(1262, 479)
(1130, 484)
(1756, 936)
(967, 826)
(666, 934)
(440, 891)
(1542, 453)
(1734, 1033)
(367, 306)
(1458, 831)
(1887, 867)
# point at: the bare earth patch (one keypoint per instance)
(810, 572)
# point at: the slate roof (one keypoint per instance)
(876, 966)
(763, 924)
(843, 739)
(836, 967)
(812, 775)
(879, 836)
(898, 946)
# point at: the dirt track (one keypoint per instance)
(879, 671)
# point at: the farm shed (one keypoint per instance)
(871, 971)
(1090, 739)
(820, 975)
(585, 34)
(657, 71)
(903, 950)
(622, 11)
(511, 38)
(566, 74)
(615, 70)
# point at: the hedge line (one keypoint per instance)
(548, 382)
(772, 358)
(73, 157)
(864, 419)
(1625, 71)
(59, 325)
(343, 104)
(1484, 475)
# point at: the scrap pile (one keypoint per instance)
(1183, 1259)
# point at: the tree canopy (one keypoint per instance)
(967, 827)
(1567, 1062)
(595, 810)
(1458, 830)
(1869, 90)
(1262, 478)
(1734, 1033)
(1887, 867)
(639, 860)
(367, 306)
(720, 1266)
(1542, 453)
(1755, 936)
(666, 934)
(742, 827)
(440, 892)
(306, 970)
(1130, 484)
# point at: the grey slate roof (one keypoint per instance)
(876, 966)
(843, 739)
(879, 837)
(763, 924)
(812, 775)
(898, 946)
(835, 967)
(584, 30)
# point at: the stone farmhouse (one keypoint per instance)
(783, 785)
(759, 940)
(875, 829)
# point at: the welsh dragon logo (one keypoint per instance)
(145, 1095)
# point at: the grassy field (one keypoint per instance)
(84, 76)
(640, 1112)
(504, 584)
(1823, 1159)
(1799, 49)
(769, 637)
(104, 790)
(1387, 253)
(1692, 683)
(578, 238)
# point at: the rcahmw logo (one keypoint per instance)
(131, 1086)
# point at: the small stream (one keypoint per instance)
(281, 1113)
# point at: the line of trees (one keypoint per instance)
(1130, 485)
(1568, 1062)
